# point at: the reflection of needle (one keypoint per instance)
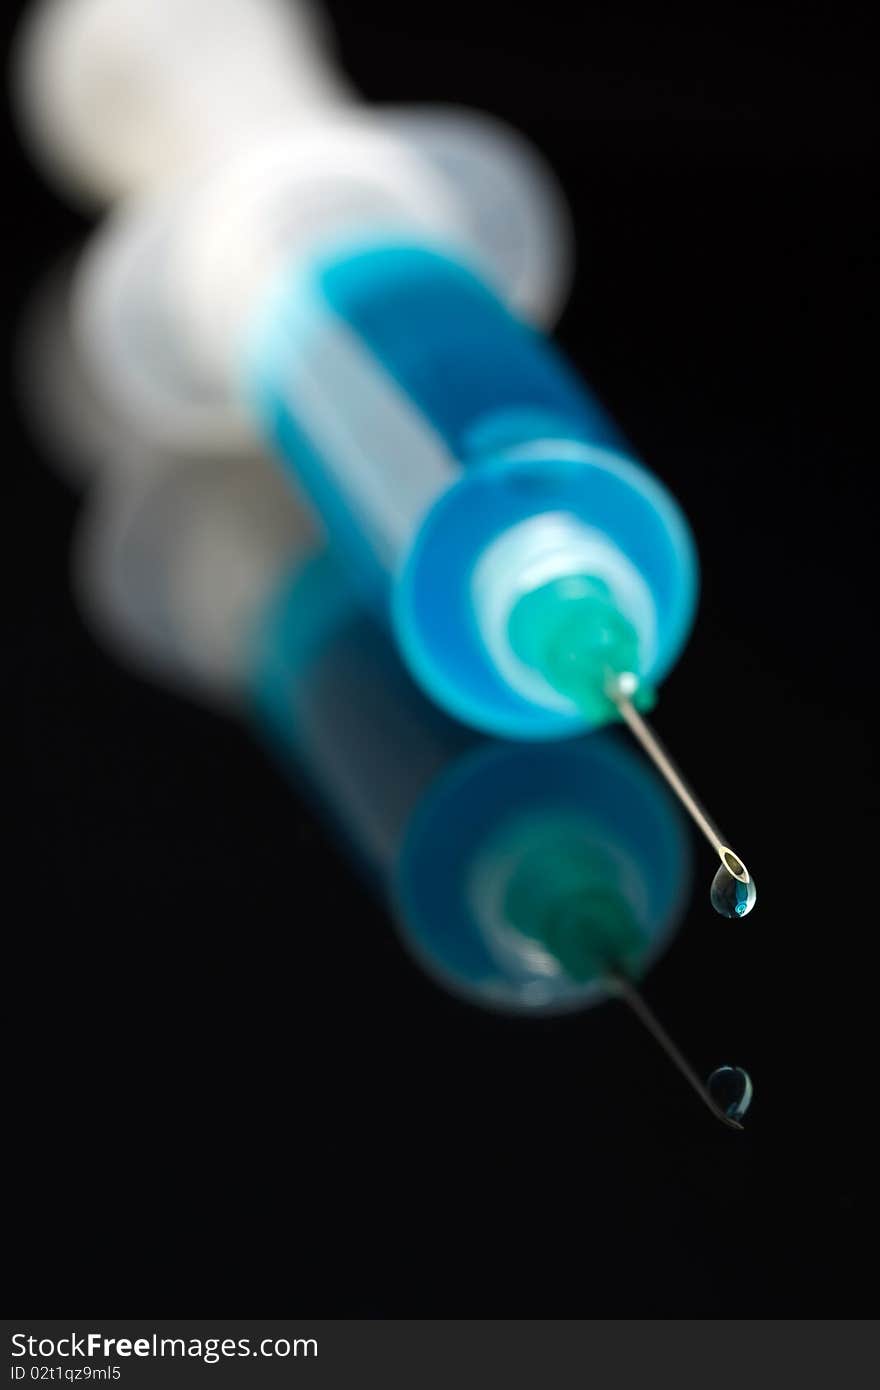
(621, 688)
(631, 996)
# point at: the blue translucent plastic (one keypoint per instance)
(598, 778)
(520, 433)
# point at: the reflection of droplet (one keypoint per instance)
(730, 895)
(731, 1090)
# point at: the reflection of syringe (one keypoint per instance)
(558, 892)
(728, 1091)
(535, 878)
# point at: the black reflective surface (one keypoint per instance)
(231, 1082)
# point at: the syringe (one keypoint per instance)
(539, 581)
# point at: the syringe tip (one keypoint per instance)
(733, 892)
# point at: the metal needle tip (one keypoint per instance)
(733, 888)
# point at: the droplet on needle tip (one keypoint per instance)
(733, 891)
(731, 1091)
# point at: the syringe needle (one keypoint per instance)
(733, 888)
(735, 1106)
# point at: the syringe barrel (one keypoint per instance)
(426, 421)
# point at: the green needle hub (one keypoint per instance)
(568, 897)
(571, 630)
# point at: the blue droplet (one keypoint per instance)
(731, 897)
(731, 1090)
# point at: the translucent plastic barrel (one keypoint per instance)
(427, 423)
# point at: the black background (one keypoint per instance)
(232, 1091)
